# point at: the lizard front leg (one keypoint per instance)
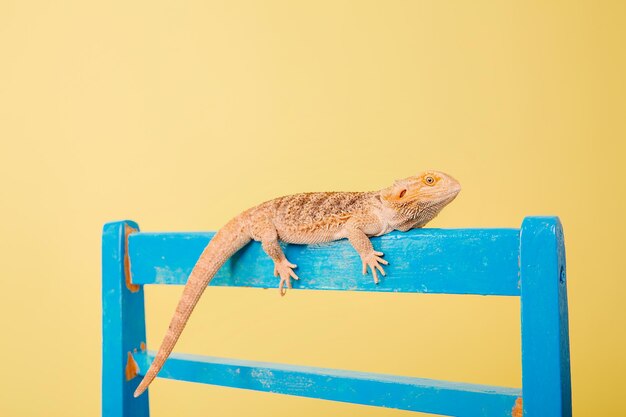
(369, 256)
(282, 267)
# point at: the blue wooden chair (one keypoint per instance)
(528, 262)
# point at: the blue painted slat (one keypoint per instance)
(123, 326)
(405, 393)
(545, 337)
(454, 261)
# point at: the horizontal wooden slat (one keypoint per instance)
(452, 261)
(405, 393)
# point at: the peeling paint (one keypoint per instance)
(132, 369)
(264, 376)
(517, 410)
(428, 257)
(131, 287)
(142, 346)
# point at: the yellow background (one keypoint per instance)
(181, 114)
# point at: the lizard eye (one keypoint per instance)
(429, 180)
(402, 193)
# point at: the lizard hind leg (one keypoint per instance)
(284, 269)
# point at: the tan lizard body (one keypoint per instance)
(312, 218)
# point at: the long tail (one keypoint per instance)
(224, 244)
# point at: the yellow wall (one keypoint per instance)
(181, 114)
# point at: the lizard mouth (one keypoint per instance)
(445, 199)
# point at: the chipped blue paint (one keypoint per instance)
(457, 261)
(123, 327)
(400, 392)
(424, 260)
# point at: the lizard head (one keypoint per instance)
(421, 197)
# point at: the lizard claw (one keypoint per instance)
(373, 260)
(284, 269)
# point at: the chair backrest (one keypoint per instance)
(528, 263)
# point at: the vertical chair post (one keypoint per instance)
(123, 325)
(546, 382)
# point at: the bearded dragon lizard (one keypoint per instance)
(312, 218)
